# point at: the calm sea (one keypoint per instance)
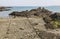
(23, 8)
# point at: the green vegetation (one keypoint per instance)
(55, 23)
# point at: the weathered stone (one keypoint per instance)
(41, 12)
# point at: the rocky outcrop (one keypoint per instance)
(33, 28)
(52, 21)
(22, 14)
(55, 16)
(41, 12)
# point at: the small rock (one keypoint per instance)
(21, 28)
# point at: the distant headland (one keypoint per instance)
(4, 8)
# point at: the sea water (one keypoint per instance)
(23, 8)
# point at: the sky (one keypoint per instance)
(29, 2)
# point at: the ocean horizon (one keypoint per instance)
(23, 8)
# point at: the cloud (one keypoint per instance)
(29, 2)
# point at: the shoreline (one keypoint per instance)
(34, 8)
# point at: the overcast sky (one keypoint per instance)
(29, 2)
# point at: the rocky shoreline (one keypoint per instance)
(47, 15)
(40, 12)
(37, 23)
